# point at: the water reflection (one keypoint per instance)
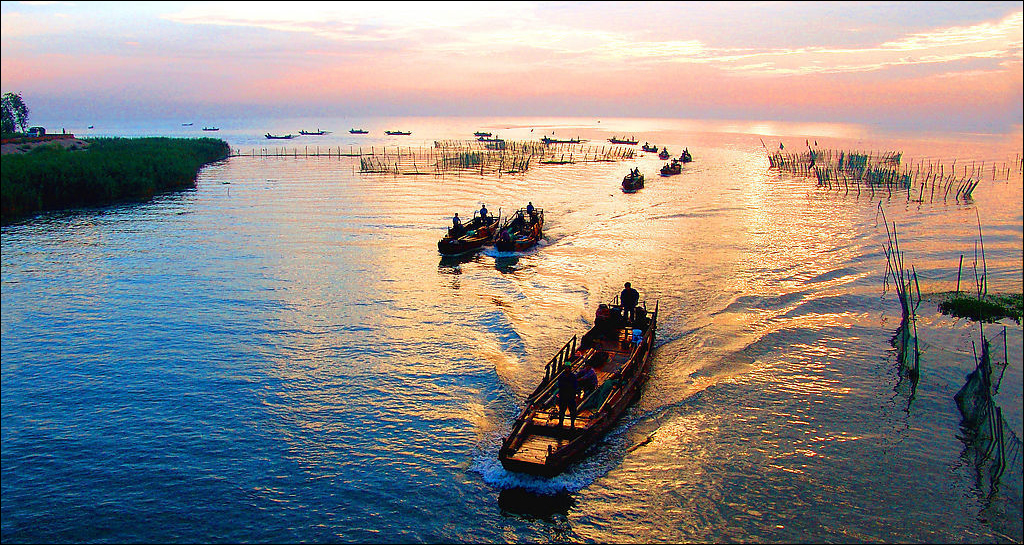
(520, 501)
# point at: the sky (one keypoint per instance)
(929, 65)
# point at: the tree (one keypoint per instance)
(15, 112)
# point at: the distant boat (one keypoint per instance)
(489, 139)
(186, 124)
(623, 140)
(649, 147)
(211, 128)
(358, 131)
(485, 134)
(549, 140)
(90, 126)
(685, 157)
(664, 154)
(284, 137)
(318, 132)
(398, 133)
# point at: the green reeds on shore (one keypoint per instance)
(109, 170)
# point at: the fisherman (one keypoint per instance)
(587, 379)
(456, 222)
(483, 211)
(628, 299)
(529, 208)
(568, 387)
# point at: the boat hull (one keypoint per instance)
(471, 237)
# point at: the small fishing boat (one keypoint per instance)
(91, 127)
(489, 139)
(281, 137)
(398, 133)
(469, 237)
(186, 124)
(664, 154)
(211, 128)
(549, 140)
(669, 169)
(649, 147)
(633, 181)
(618, 351)
(520, 231)
(685, 157)
(318, 132)
(479, 133)
(631, 141)
(358, 131)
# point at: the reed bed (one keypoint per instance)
(885, 172)
(502, 157)
(110, 170)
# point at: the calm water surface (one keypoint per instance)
(281, 355)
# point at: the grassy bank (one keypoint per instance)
(110, 170)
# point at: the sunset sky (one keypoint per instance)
(899, 64)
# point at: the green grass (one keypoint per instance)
(988, 309)
(110, 170)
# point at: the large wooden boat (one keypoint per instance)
(470, 236)
(631, 141)
(520, 231)
(317, 132)
(633, 181)
(281, 137)
(358, 131)
(481, 133)
(619, 352)
(398, 133)
(669, 169)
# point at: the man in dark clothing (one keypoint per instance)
(629, 298)
(567, 389)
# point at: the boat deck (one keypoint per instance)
(545, 434)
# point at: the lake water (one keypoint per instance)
(281, 354)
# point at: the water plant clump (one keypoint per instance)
(109, 170)
(989, 308)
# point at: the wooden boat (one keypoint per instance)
(357, 131)
(685, 157)
(470, 237)
(623, 140)
(211, 128)
(282, 137)
(669, 169)
(398, 133)
(186, 124)
(633, 181)
(318, 132)
(489, 139)
(619, 352)
(520, 231)
(648, 147)
(664, 154)
(478, 133)
(549, 140)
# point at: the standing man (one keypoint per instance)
(628, 299)
(568, 387)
